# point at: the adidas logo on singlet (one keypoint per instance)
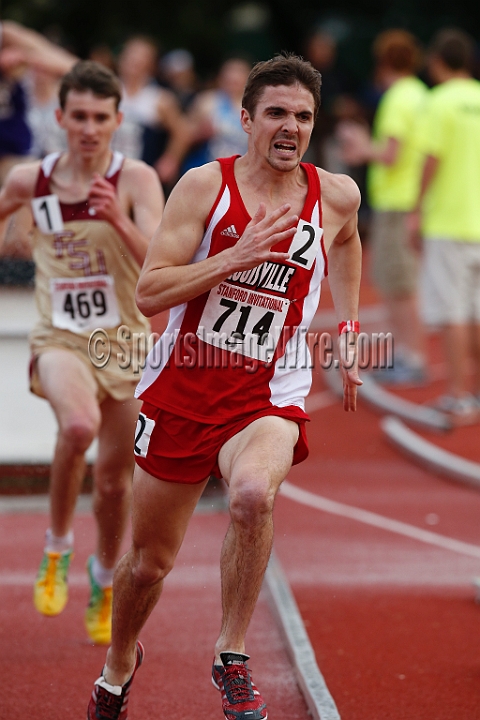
(230, 232)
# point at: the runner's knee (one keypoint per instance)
(149, 569)
(78, 432)
(251, 500)
(113, 487)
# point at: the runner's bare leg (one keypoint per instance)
(254, 463)
(113, 476)
(71, 391)
(161, 512)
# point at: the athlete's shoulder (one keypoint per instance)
(195, 193)
(22, 179)
(339, 191)
(134, 170)
(201, 181)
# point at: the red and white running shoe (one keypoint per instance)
(110, 702)
(241, 699)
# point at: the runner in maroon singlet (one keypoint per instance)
(92, 214)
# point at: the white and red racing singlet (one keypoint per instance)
(241, 347)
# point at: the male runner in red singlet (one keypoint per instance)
(93, 214)
(239, 257)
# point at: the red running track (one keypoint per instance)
(48, 666)
(392, 618)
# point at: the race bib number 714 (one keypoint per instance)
(243, 321)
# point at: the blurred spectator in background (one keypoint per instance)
(153, 128)
(215, 116)
(392, 182)
(448, 214)
(103, 54)
(30, 67)
(42, 101)
(20, 49)
(178, 70)
(321, 49)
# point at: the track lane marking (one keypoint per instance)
(304, 497)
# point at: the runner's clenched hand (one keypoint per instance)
(104, 200)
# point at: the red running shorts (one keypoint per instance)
(180, 450)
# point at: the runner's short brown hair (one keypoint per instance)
(90, 75)
(283, 69)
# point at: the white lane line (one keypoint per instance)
(379, 521)
(315, 691)
(40, 504)
(188, 577)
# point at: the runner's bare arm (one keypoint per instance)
(18, 190)
(169, 278)
(138, 189)
(17, 240)
(341, 199)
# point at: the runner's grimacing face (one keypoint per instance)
(282, 125)
(89, 122)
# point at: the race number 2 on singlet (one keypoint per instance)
(243, 321)
(305, 245)
(82, 304)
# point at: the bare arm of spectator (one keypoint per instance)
(29, 47)
(415, 217)
(174, 121)
(200, 117)
(358, 147)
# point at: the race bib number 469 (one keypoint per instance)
(82, 304)
(243, 321)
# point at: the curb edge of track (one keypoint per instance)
(430, 455)
(310, 680)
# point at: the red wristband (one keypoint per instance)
(348, 326)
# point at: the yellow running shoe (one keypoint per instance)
(50, 592)
(98, 615)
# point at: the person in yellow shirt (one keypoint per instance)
(448, 215)
(392, 183)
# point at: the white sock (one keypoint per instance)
(101, 575)
(58, 544)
